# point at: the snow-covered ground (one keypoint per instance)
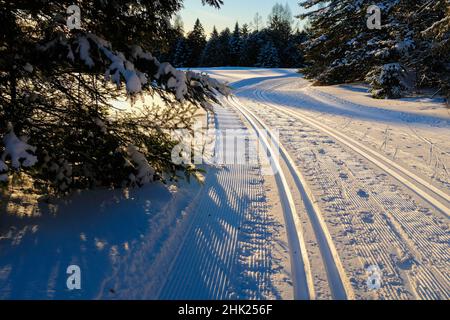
(378, 171)
(361, 183)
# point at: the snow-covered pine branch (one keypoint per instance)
(57, 88)
(17, 151)
(137, 69)
(341, 48)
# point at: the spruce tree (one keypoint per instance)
(235, 46)
(341, 48)
(211, 55)
(181, 54)
(196, 42)
(252, 48)
(176, 34)
(293, 57)
(268, 56)
(279, 30)
(431, 59)
(224, 45)
(58, 126)
(245, 32)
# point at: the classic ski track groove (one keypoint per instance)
(225, 253)
(417, 184)
(428, 279)
(338, 282)
(300, 265)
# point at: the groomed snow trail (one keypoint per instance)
(358, 183)
(229, 250)
(225, 239)
(431, 193)
(337, 280)
(300, 265)
(378, 212)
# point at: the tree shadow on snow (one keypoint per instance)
(90, 230)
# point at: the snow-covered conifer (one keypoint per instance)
(268, 56)
(341, 48)
(58, 124)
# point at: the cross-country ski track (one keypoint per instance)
(388, 211)
(338, 283)
(341, 183)
(432, 194)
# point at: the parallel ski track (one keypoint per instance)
(226, 251)
(433, 195)
(339, 285)
(431, 282)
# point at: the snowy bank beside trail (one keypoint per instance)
(421, 105)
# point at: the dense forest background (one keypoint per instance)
(251, 45)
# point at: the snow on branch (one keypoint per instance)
(83, 49)
(121, 67)
(177, 79)
(18, 151)
(145, 173)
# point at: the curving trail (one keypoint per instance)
(341, 183)
(435, 196)
(369, 208)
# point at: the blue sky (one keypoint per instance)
(242, 11)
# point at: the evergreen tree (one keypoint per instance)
(175, 33)
(252, 47)
(245, 47)
(293, 57)
(268, 57)
(181, 54)
(341, 48)
(196, 42)
(224, 45)
(279, 30)
(388, 81)
(212, 53)
(431, 59)
(235, 46)
(56, 124)
(245, 32)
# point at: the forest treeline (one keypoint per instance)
(409, 52)
(252, 45)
